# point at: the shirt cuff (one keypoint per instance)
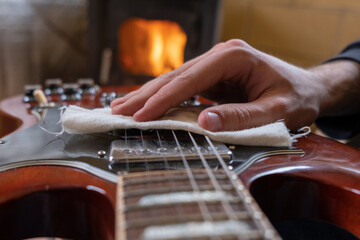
(351, 52)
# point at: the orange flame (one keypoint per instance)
(151, 47)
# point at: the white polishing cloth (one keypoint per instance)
(78, 120)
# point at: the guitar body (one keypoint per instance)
(69, 199)
(321, 185)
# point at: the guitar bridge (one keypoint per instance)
(164, 148)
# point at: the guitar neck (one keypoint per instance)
(188, 204)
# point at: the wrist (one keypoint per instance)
(339, 90)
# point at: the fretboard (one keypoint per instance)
(195, 204)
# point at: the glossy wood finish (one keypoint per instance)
(14, 115)
(56, 201)
(323, 184)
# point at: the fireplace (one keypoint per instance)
(133, 41)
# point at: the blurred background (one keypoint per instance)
(42, 39)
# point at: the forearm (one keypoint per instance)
(340, 94)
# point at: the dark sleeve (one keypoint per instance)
(351, 52)
(340, 127)
(343, 127)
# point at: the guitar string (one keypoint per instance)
(170, 178)
(148, 185)
(202, 205)
(224, 202)
(153, 210)
(238, 188)
(161, 149)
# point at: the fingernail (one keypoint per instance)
(214, 121)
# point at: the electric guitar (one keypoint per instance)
(132, 184)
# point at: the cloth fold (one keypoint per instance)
(78, 120)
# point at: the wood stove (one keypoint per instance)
(114, 23)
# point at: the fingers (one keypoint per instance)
(196, 79)
(229, 61)
(230, 117)
(134, 101)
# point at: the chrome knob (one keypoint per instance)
(53, 86)
(71, 92)
(86, 86)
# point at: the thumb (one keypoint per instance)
(230, 117)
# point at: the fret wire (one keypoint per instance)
(238, 201)
(176, 178)
(144, 222)
(215, 183)
(203, 207)
(163, 190)
(240, 193)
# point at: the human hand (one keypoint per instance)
(256, 88)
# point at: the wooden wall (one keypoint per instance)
(304, 32)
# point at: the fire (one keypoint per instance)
(151, 47)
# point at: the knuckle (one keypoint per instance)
(218, 45)
(237, 43)
(163, 98)
(233, 43)
(243, 52)
(167, 75)
(281, 107)
(238, 51)
(280, 104)
(284, 108)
